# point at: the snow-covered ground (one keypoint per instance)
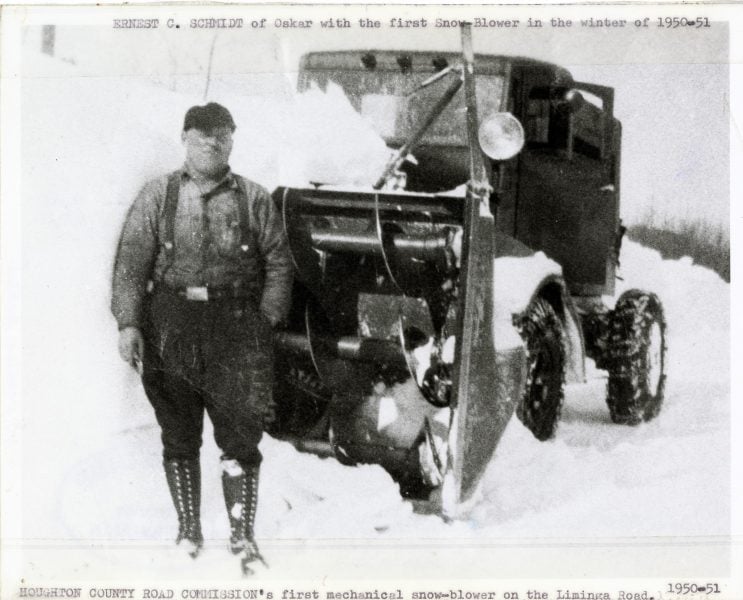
(94, 498)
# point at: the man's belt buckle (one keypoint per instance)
(199, 294)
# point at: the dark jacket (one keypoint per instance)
(207, 246)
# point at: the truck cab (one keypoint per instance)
(559, 194)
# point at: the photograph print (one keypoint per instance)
(367, 292)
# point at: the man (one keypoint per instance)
(202, 276)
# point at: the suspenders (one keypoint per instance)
(171, 205)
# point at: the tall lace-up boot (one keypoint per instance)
(240, 486)
(184, 481)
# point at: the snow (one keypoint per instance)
(517, 278)
(93, 491)
(328, 142)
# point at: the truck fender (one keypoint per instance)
(554, 290)
(519, 281)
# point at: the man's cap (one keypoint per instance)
(207, 117)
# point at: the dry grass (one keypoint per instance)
(706, 244)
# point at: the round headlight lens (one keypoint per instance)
(501, 136)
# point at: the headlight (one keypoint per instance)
(501, 136)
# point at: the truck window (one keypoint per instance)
(386, 99)
(565, 122)
(536, 127)
(589, 123)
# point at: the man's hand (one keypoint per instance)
(131, 347)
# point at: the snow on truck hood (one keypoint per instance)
(326, 140)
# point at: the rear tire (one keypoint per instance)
(542, 330)
(636, 358)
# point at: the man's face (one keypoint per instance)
(208, 152)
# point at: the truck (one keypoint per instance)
(468, 283)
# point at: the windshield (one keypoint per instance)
(383, 98)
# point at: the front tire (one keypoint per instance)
(636, 358)
(542, 330)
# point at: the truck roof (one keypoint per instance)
(430, 62)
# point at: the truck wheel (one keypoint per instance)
(636, 358)
(542, 331)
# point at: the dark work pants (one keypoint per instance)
(214, 355)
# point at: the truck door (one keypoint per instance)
(568, 182)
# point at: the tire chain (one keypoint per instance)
(538, 319)
(626, 343)
(630, 316)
